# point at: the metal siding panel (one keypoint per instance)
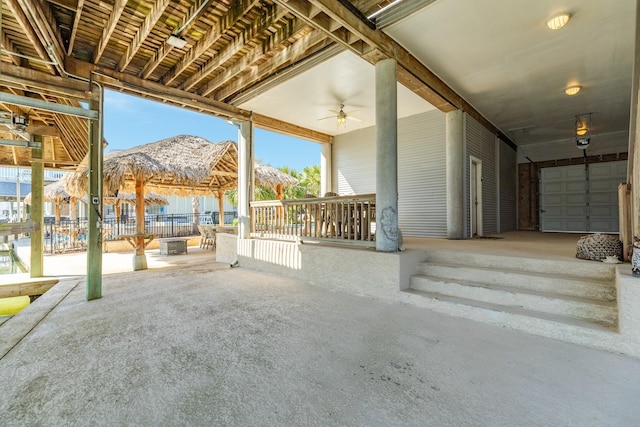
(508, 187)
(421, 171)
(422, 198)
(354, 162)
(481, 144)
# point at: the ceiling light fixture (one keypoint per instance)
(558, 21)
(583, 130)
(572, 90)
(176, 41)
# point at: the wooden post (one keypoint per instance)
(57, 212)
(73, 209)
(94, 208)
(117, 206)
(221, 208)
(139, 259)
(37, 210)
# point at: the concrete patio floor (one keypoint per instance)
(203, 344)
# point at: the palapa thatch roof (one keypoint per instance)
(56, 193)
(150, 199)
(268, 176)
(183, 165)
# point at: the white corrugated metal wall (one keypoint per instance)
(508, 186)
(422, 186)
(421, 171)
(480, 143)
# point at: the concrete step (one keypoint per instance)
(539, 323)
(591, 269)
(553, 283)
(508, 298)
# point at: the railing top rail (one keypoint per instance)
(316, 200)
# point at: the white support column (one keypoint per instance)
(325, 169)
(455, 174)
(386, 156)
(245, 177)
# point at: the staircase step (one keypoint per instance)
(535, 281)
(509, 316)
(583, 268)
(603, 312)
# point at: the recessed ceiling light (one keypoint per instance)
(558, 21)
(572, 90)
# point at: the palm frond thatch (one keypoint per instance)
(150, 199)
(268, 176)
(183, 165)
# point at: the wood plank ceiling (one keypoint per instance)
(230, 47)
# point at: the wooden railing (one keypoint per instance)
(345, 219)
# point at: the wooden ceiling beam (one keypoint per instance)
(45, 26)
(143, 32)
(296, 52)
(27, 29)
(257, 27)
(37, 81)
(74, 27)
(228, 20)
(292, 53)
(164, 50)
(71, 5)
(7, 44)
(109, 27)
(279, 126)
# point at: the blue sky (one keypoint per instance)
(131, 121)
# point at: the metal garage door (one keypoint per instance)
(573, 198)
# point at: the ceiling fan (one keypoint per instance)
(342, 116)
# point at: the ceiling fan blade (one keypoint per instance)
(355, 119)
(352, 112)
(328, 117)
(334, 111)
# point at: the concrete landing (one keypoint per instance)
(210, 345)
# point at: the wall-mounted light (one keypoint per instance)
(558, 21)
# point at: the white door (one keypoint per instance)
(475, 199)
(577, 199)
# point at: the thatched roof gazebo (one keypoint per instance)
(182, 165)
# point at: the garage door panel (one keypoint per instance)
(573, 200)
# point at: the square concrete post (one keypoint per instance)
(455, 174)
(37, 209)
(386, 156)
(245, 177)
(325, 169)
(94, 207)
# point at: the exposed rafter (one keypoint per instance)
(109, 27)
(43, 22)
(314, 41)
(292, 53)
(159, 55)
(229, 19)
(259, 25)
(74, 28)
(8, 45)
(27, 29)
(143, 32)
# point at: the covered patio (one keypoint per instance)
(184, 346)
